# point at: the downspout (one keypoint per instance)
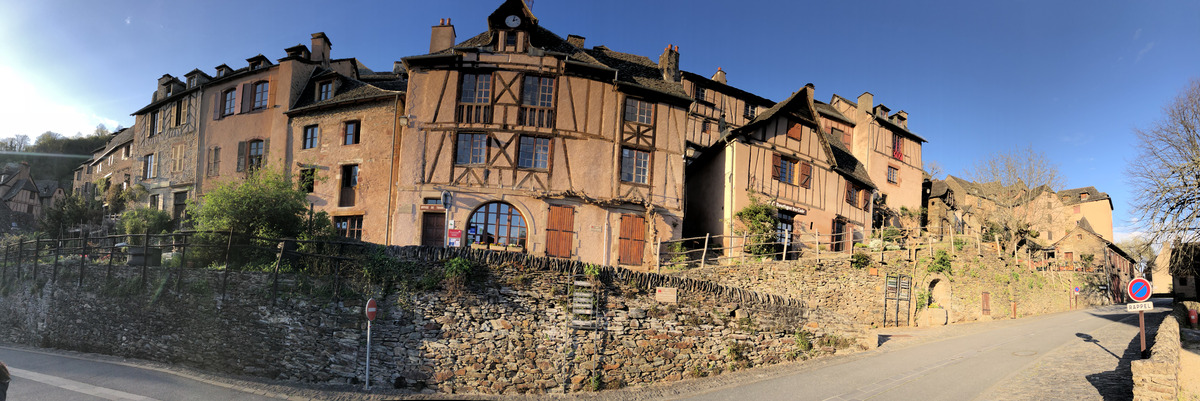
(392, 182)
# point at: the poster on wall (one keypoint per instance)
(455, 242)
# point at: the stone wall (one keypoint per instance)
(1157, 378)
(503, 334)
(834, 285)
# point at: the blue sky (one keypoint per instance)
(1072, 79)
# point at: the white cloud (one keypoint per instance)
(1143, 52)
(1119, 236)
(29, 108)
(128, 20)
(1137, 34)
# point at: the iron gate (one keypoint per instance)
(898, 289)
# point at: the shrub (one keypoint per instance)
(144, 220)
(758, 221)
(860, 260)
(941, 263)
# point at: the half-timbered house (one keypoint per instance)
(543, 145)
(891, 153)
(783, 157)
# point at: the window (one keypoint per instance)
(497, 223)
(843, 135)
(214, 162)
(125, 152)
(1076, 209)
(472, 149)
(805, 175)
(311, 133)
(178, 112)
(700, 93)
(191, 82)
(537, 102)
(179, 209)
(704, 126)
(1071, 256)
(177, 158)
(308, 179)
(154, 202)
(1084, 196)
(897, 147)
(261, 94)
(534, 152)
(349, 226)
(784, 169)
(349, 184)
(149, 167)
(254, 155)
(153, 123)
(475, 99)
(784, 227)
(228, 100)
(750, 109)
(852, 192)
(635, 166)
(893, 175)
(352, 133)
(510, 39)
(639, 111)
(324, 90)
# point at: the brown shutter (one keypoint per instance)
(241, 156)
(271, 93)
(795, 130)
(775, 166)
(266, 149)
(216, 106)
(559, 231)
(805, 174)
(247, 98)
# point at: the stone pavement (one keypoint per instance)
(1094, 368)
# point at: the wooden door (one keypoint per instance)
(433, 229)
(560, 231)
(632, 241)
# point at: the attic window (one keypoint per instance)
(324, 90)
(749, 112)
(1083, 196)
(510, 40)
(700, 93)
(254, 65)
(191, 82)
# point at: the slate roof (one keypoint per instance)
(1087, 227)
(1072, 195)
(851, 102)
(894, 127)
(720, 87)
(125, 135)
(828, 111)
(346, 90)
(20, 184)
(938, 189)
(46, 188)
(847, 164)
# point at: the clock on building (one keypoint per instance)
(512, 21)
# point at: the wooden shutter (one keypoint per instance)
(795, 130)
(775, 166)
(217, 105)
(632, 241)
(266, 148)
(560, 231)
(247, 98)
(805, 175)
(241, 156)
(271, 93)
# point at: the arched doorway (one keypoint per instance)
(497, 223)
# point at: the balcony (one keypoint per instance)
(472, 113)
(541, 117)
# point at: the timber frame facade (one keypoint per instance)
(538, 143)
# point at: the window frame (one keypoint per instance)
(502, 219)
(785, 169)
(893, 175)
(638, 111)
(149, 167)
(255, 161)
(154, 123)
(472, 139)
(349, 226)
(351, 138)
(632, 154)
(749, 111)
(897, 146)
(228, 102)
(312, 136)
(541, 146)
(324, 90)
(538, 97)
(261, 92)
(307, 179)
(478, 108)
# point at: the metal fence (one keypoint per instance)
(87, 258)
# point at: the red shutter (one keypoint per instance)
(632, 240)
(795, 130)
(775, 166)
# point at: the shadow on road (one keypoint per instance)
(1130, 318)
(1117, 384)
(1088, 339)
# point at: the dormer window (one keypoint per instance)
(510, 39)
(256, 65)
(191, 82)
(1083, 196)
(324, 90)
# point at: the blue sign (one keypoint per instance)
(1139, 289)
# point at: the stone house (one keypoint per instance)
(1082, 248)
(1091, 204)
(890, 152)
(785, 157)
(543, 145)
(113, 165)
(346, 135)
(165, 133)
(1175, 270)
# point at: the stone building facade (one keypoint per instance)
(892, 154)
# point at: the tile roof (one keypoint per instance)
(720, 87)
(1073, 195)
(346, 90)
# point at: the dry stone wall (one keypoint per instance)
(504, 333)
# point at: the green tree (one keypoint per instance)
(145, 220)
(69, 212)
(265, 204)
(758, 221)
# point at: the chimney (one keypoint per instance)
(397, 67)
(866, 102)
(902, 119)
(320, 48)
(575, 40)
(442, 37)
(167, 86)
(720, 76)
(669, 63)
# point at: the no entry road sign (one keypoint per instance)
(370, 309)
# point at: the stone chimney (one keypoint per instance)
(720, 76)
(668, 62)
(167, 86)
(866, 102)
(320, 48)
(442, 36)
(576, 40)
(398, 67)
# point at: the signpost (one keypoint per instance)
(1139, 291)
(370, 309)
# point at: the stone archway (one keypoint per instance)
(939, 292)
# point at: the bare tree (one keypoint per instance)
(1166, 172)
(1141, 250)
(934, 169)
(1019, 185)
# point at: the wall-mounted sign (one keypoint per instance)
(455, 233)
(668, 295)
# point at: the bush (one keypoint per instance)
(758, 221)
(860, 260)
(265, 204)
(144, 220)
(941, 263)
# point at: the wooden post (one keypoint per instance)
(978, 245)
(225, 272)
(930, 241)
(182, 262)
(54, 270)
(145, 256)
(657, 254)
(37, 242)
(704, 252)
(743, 248)
(817, 243)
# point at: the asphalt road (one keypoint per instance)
(48, 377)
(961, 368)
